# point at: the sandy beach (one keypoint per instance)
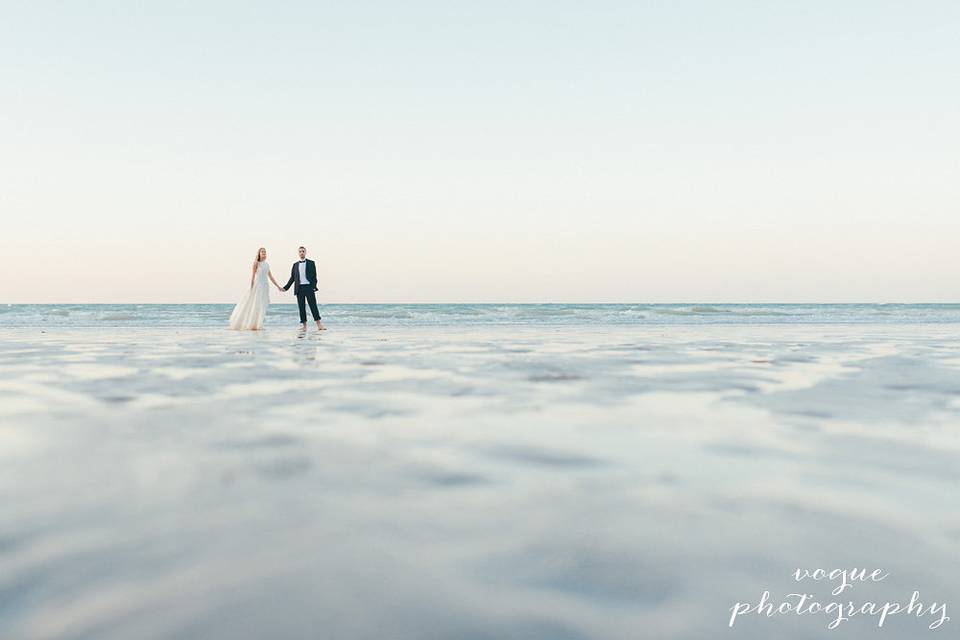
(474, 482)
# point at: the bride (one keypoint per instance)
(249, 312)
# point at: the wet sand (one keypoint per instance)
(479, 482)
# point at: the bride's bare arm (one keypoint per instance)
(270, 275)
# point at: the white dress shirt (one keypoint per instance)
(303, 272)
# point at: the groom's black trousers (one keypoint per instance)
(305, 295)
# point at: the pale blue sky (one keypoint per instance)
(482, 151)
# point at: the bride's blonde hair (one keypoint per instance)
(259, 251)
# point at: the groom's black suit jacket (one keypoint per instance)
(295, 276)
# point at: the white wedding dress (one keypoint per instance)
(249, 312)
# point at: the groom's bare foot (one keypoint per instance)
(303, 327)
(320, 327)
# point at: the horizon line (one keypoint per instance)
(686, 302)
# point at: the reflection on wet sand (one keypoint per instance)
(480, 482)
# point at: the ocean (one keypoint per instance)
(212, 315)
(428, 472)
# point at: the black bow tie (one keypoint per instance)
(302, 261)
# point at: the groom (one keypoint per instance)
(303, 277)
